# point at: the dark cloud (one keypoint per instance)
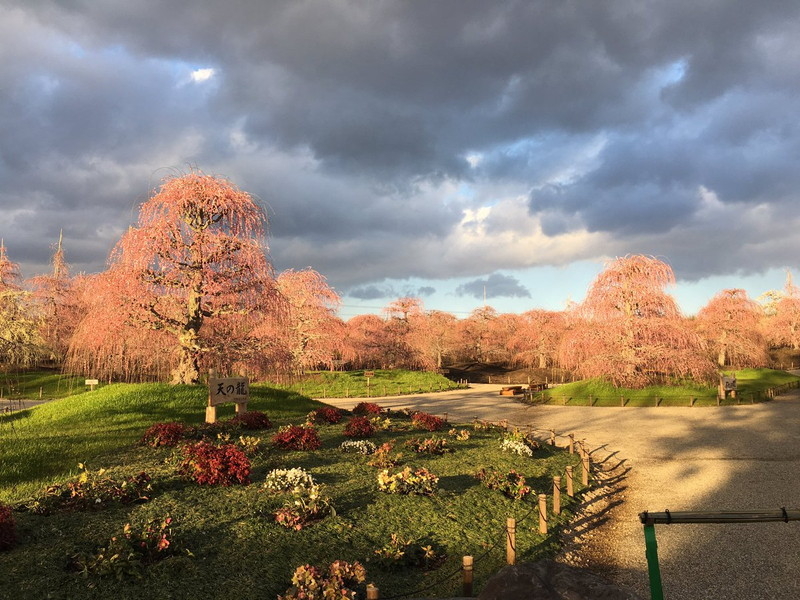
(372, 129)
(370, 292)
(496, 285)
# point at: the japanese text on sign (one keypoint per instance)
(229, 389)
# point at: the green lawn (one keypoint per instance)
(239, 552)
(353, 384)
(35, 384)
(752, 386)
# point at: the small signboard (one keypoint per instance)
(92, 382)
(369, 374)
(228, 389)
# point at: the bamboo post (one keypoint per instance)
(511, 541)
(557, 495)
(552, 437)
(570, 483)
(373, 593)
(542, 513)
(572, 443)
(466, 577)
(585, 471)
(622, 400)
(40, 393)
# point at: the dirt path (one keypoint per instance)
(730, 458)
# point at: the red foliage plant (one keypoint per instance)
(8, 529)
(367, 408)
(427, 421)
(359, 427)
(208, 464)
(630, 331)
(253, 419)
(164, 434)
(327, 415)
(297, 437)
(194, 271)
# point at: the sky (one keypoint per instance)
(446, 149)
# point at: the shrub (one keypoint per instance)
(297, 437)
(518, 436)
(340, 581)
(358, 446)
(367, 408)
(512, 484)
(427, 422)
(165, 434)
(288, 480)
(462, 435)
(305, 507)
(421, 482)
(383, 459)
(125, 555)
(400, 553)
(8, 528)
(254, 419)
(325, 415)
(432, 445)
(91, 491)
(209, 464)
(359, 427)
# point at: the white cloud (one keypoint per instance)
(201, 75)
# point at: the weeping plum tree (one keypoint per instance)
(537, 338)
(783, 325)
(313, 332)
(194, 270)
(20, 343)
(630, 331)
(730, 324)
(55, 297)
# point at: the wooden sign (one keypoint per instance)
(369, 374)
(228, 389)
(92, 382)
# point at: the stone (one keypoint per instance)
(549, 580)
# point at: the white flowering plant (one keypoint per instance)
(289, 480)
(358, 447)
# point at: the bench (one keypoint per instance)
(511, 390)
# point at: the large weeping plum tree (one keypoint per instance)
(630, 331)
(194, 270)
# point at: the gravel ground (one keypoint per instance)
(730, 458)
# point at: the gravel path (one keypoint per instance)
(729, 458)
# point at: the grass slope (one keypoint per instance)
(46, 443)
(751, 383)
(353, 384)
(239, 552)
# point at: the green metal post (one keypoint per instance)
(653, 571)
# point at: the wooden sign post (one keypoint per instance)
(91, 383)
(226, 389)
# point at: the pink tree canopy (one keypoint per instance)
(730, 324)
(195, 269)
(631, 332)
